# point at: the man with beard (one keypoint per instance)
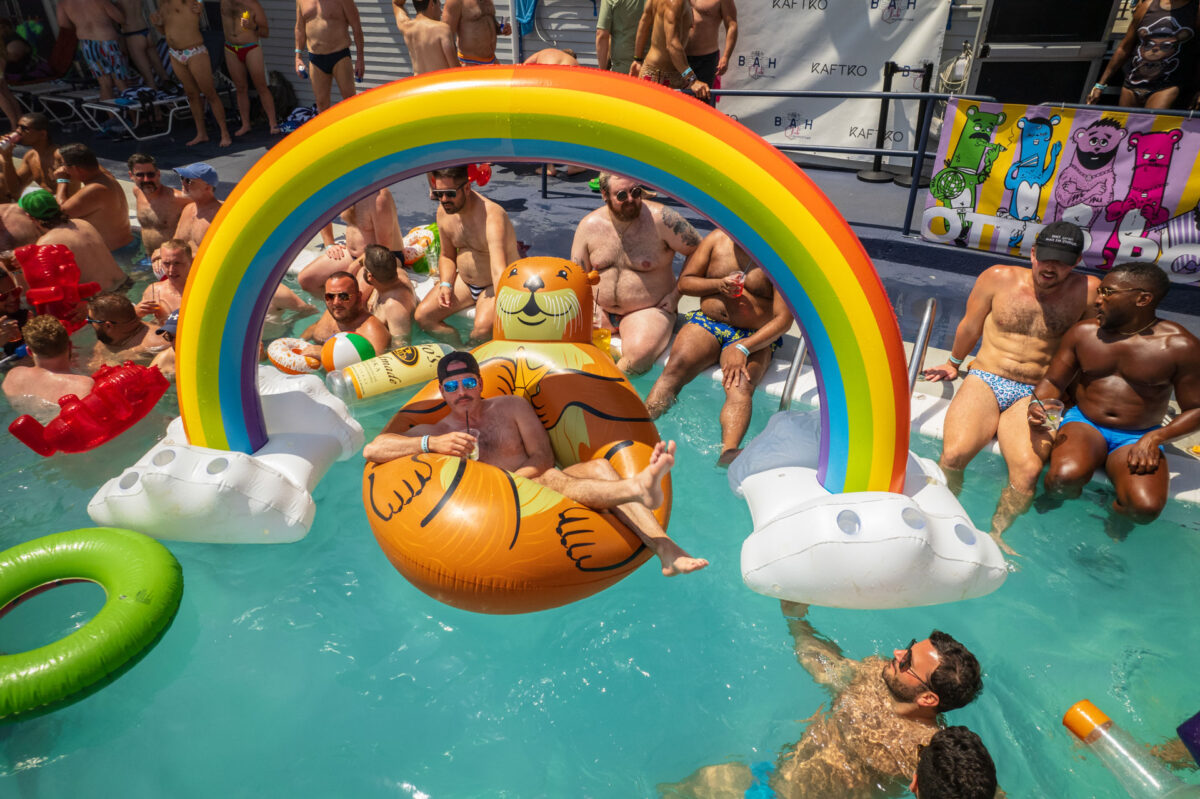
(1021, 315)
(345, 313)
(120, 335)
(478, 241)
(867, 743)
(512, 438)
(159, 207)
(632, 244)
(1123, 366)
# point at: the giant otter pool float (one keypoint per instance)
(482, 539)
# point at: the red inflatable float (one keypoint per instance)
(53, 279)
(121, 396)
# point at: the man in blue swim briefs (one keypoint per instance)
(738, 326)
(1122, 367)
(1021, 315)
(865, 743)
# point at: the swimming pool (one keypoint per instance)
(313, 669)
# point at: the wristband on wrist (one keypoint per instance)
(1101, 86)
(425, 443)
(688, 74)
(62, 180)
(743, 350)
(298, 52)
(955, 361)
(446, 284)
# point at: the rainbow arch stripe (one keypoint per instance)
(537, 114)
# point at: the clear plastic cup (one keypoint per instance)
(471, 431)
(739, 279)
(1054, 411)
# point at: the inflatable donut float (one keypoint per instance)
(287, 355)
(482, 539)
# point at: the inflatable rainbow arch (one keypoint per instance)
(563, 114)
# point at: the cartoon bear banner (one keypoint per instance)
(1004, 171)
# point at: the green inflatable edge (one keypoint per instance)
(143, 582)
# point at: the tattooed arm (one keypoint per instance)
(676, 232)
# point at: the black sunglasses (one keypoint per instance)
(330, 296)
(905, 664)
(447, 194)
(636, 193)
(92, 321)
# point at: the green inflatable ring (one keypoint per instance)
(143, 582)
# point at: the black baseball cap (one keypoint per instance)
(455, 363)
(1060, 241)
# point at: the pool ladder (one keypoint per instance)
(916, 363)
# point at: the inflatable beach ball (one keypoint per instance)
(345, 349)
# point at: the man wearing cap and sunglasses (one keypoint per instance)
(1021, 314)
(345, 312)
(200, 185)
(509, 436)
(632, 243)
(866, 744)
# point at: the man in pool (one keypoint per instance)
(478, 241)
(512, 438)
(345, 312)
(50, 376)
(120, 335)
(954, 765)
(632, 243)
(867, 743)
(1123, 366)
(738, 326)
(1021, 314)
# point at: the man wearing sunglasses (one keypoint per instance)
(33, 132)
(866, 743)
(159, 206)
(345, 313)
(120, 335)
(199, 182)
(632, 244)
(51, 375)
(478, 242)
(1021, 314)
(1122, 367)
(512, 438)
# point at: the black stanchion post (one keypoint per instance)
(876, 174)
(906, 180)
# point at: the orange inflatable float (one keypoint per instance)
(482, 539)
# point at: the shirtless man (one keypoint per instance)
(199, 184)
(136, 32)
(86, 190)
(475, 27)
(345, 313)
(160, 299)
(632, 243)
(1021, 314)
(739, 323)
(478, 242)
(321, 31)
(554, 56)
(179, 21)
(371, 220)
(99, 43)
(33, 131)
(512, 438)
(120, 335)
(17, 228)
(666, 26)
(96, 263)
(704, 53)
(866, 745)
(245, 23)
(430, 41)
(51, 376)
(389, 292)
(159, 207)
(1123, 366)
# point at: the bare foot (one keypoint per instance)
(1005, 548)
(676, 561)
(649, 480)
(242, 131)
(226, 141)
(200, 137)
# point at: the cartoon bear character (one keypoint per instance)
(1146, 186)
(1031, 170)
(1158, 45)
(1090, 178)
(969, 165)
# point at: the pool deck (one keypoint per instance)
(912, 270)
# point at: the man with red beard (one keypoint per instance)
(867, 743)
(345, 313)
(632, 243)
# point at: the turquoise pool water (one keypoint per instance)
(314, 669)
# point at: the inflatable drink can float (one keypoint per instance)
(479, 538)
(400, 368)
(866, 550)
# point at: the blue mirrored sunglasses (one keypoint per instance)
(450, 386)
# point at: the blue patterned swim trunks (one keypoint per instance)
(1007, 391)
(725, 334)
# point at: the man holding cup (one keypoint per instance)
(1021, 314)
